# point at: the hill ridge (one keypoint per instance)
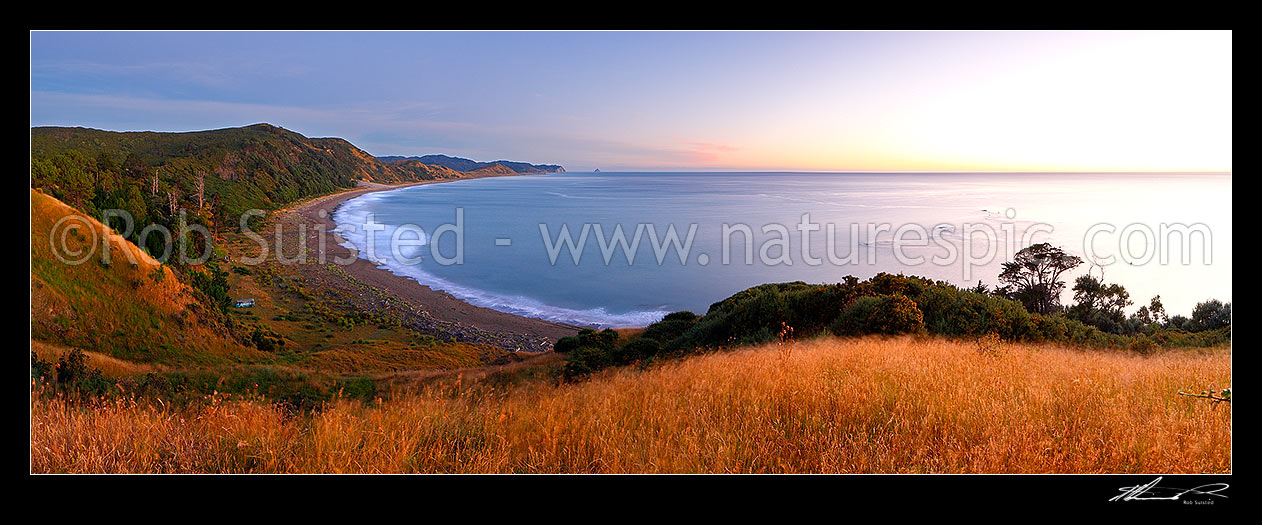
(467, 165)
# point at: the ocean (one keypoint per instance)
(499, 243)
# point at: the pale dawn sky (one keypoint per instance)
(756, 101)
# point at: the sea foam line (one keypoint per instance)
(355, 212)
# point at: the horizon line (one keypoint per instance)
(928, 172)
(687, 170)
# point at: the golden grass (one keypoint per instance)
(899, 405)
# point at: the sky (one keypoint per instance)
(661, 101)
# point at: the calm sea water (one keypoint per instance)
(507, 265)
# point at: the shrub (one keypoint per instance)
(854, 319)
(72, 367)
(638, 349)
(588, 351)
(1142, 344)
(668, 329)
(266, 341)
(583, 361)
(605, 339)
(755, 315)
(213, 283)
(885, 314)
(566, 344)
(682, 315)
(40, 369)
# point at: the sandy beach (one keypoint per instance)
(441, 305)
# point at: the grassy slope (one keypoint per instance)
(127, 313)
(126, 316)
(139, 312)
(823, 405)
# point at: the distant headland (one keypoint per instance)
(461, 164)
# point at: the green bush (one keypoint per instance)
(585, 360)
(605, 339)
(639, 349)
(682, 315)
(566, 344)
(267, 341)
(73, 367)
(41, 370)
(883, 314)
(854, 318)
(668, 329)
(214, 285)
(951, 311)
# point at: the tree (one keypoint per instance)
(980, 288)
(1211, 315)
(173, 201)
(1100, 305)
(1033, 277)
(1158, 310)
(199, 182)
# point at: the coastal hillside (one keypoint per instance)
(311, 326)
(214, 176)
(220, 172)
(460, 164)
(494, 170)
(423, 171)
(140, 312)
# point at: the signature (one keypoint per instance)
(1151, 491)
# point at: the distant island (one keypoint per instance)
(461, 164)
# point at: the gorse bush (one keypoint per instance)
(882, 314)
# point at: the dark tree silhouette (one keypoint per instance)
(1100, 304)
(1033, 277)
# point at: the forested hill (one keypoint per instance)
(236, 169)
(459, 164)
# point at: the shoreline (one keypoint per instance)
(441, 305)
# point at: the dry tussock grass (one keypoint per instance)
(900, 405)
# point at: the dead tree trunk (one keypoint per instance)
(201, 190)
(173, 200)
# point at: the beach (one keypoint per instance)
(442, 306)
